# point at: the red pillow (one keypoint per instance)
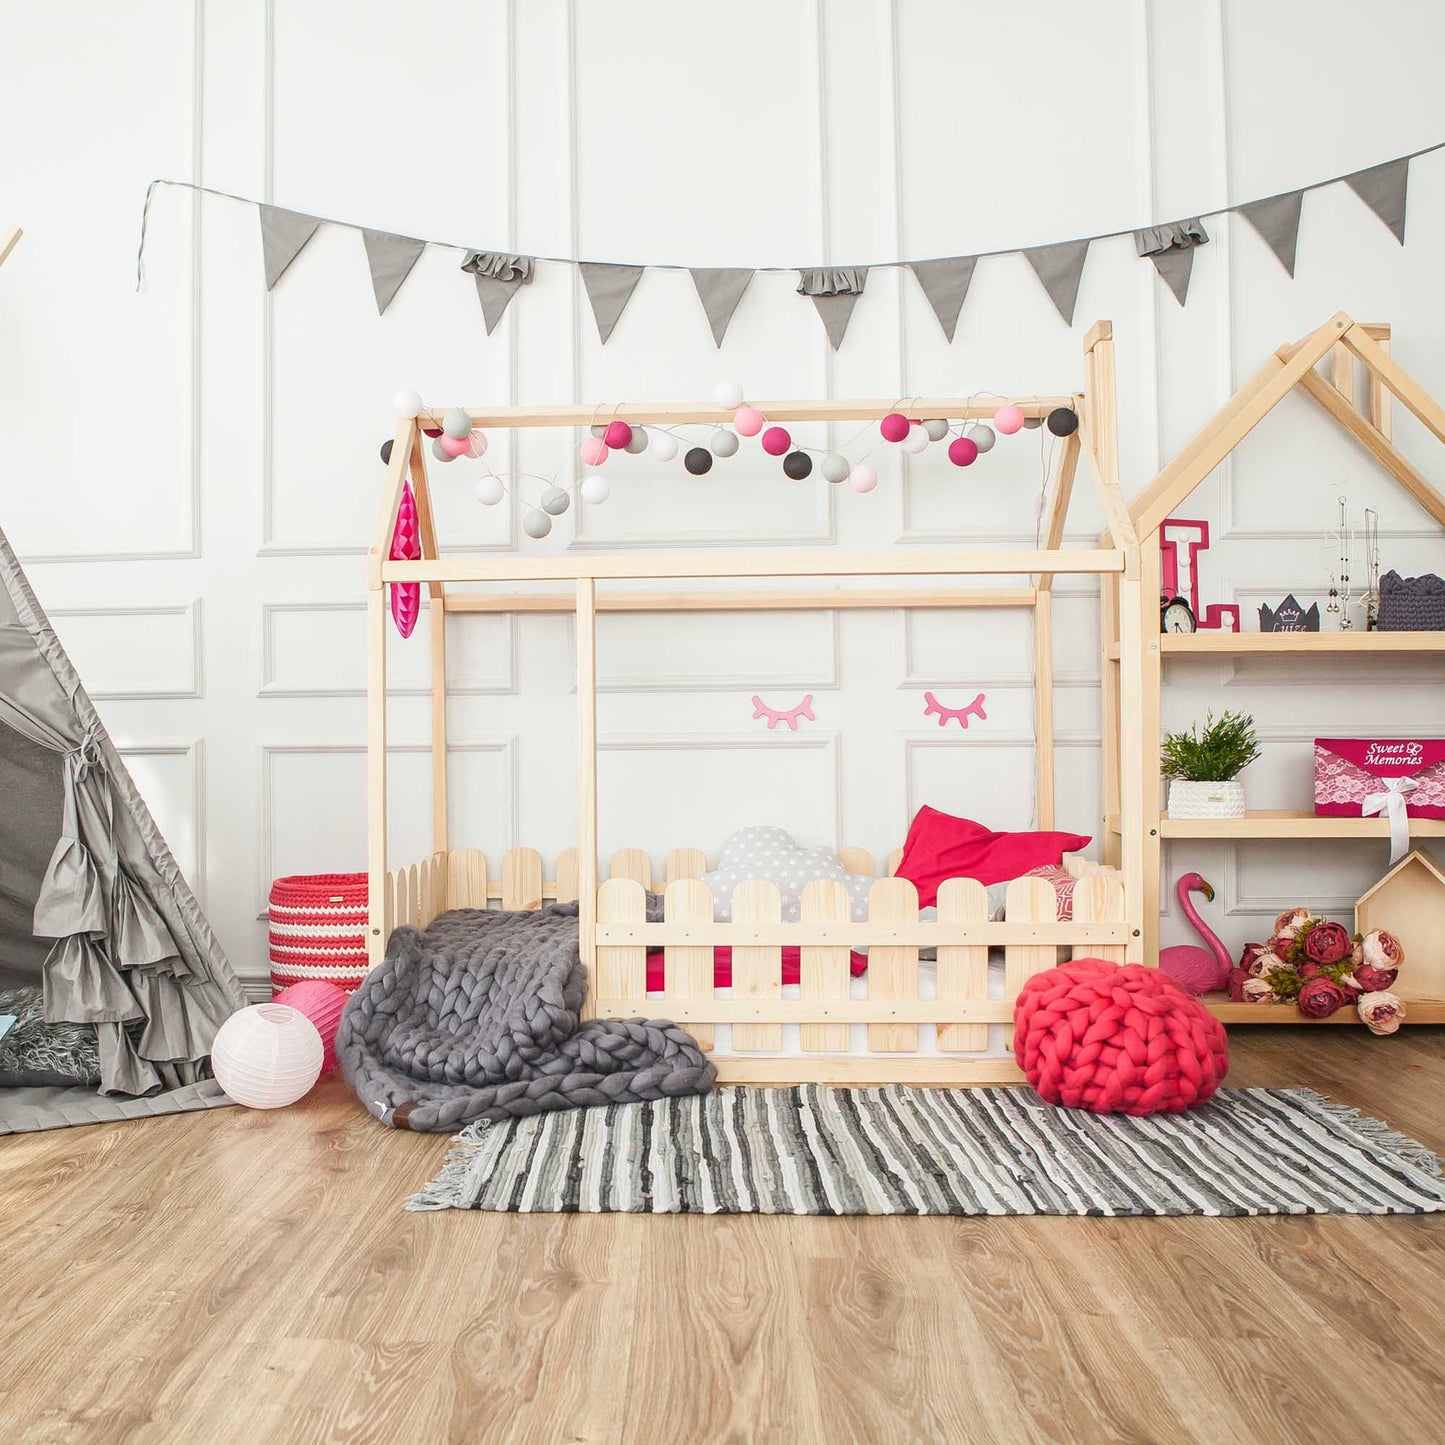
(940, 846)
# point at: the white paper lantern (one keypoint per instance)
(267, 1056)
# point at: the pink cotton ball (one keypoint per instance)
(962, 452)
(748, 421)
(593, 452)
(862, 477)
(455, 446)
(894, 426)
(1008, 420)
(617, 435)
(776, 441)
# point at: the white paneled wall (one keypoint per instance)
(190, 472)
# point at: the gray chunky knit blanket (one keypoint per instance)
(478, 1017)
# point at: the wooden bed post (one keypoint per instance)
(1044, 635)
(587, 779)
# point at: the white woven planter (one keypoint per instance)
(1206, 800)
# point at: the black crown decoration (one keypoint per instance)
(1289, 616)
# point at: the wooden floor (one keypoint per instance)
(251, 1277)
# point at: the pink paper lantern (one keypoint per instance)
(267, 1056)
(617, 435)
(748, 421)
(1008, 419)
(593, 452)
(405, 547)
(894, 426)
(962, 452)
(776, 441)
(455, 446)
(321, 1002)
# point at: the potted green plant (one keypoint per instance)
(1203, 766)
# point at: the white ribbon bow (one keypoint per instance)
(1392, 803)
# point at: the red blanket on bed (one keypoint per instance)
(722, 967)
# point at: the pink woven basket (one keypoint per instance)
(318, 929)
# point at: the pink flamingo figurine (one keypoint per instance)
(1196, 970)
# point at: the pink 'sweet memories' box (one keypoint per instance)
(1348, 771)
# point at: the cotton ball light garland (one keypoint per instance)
(723, 443)
(489, 490)
(936, 428)
(597, 429)
(962, 452)
(406, 403)
(797, 465)
(536, 524)
(431, 431)
(386, 451)
(698, 461)
(982, 436)
(728, 395)
(915, 442)
(776, 441)
(1008, 419)
(267, 1056)
(456, 423)
(454, 446)
(834, 467)
(748, 421)
(1033, 423)
(894, 427)
(862, 477)
(637, 442)
(555, 501)
(593, 452)
(617, 435)
(440, 452)
(594, 490)
(662, 445)
(1063, 421)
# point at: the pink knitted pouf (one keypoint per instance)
(1117, 1039)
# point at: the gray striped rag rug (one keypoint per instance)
(812, 1149)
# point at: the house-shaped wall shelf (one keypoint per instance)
(1409, 901)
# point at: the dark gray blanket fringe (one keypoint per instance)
(478, 1017)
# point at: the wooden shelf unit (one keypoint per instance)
(1420, 1011)
(1206, 644)
(1286, 824)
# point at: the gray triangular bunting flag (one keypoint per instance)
(495, 293)
(283, 234)
(946, 283)
(390, 259)
(609, 289)
(720, 288)
(836, 311)
(1382, 189)
(1060, 268)
(1175, 266)
(1277, 221)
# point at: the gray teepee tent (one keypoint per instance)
(97, 925)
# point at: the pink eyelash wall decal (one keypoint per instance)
(946, 714)
(791, 716)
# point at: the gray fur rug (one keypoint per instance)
(478, 1017)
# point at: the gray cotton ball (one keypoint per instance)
(834, 467)
(983, 437)
(457, 423)
(536, 524)
(637, 442)
(936, 428)
(555, 501)
(723, 443)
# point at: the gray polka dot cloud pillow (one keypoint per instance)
(771, 853)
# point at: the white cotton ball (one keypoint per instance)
(723, 443)
(595, 490)
(916, 441)
(456, 423)
(663, 446)
(536, 524)
(555, 501)
(406, 403)
(489, 490)
(728, 395)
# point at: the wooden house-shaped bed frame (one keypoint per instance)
(1109, 904)
(1342, 343)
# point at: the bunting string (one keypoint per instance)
(1170, 246)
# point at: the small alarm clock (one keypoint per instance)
(1175, 614)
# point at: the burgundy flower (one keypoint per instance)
(1309, 970)
(1250, 952)
(1289, 922)
(1381, 1012)
(1238, 977)
(1374, 980)
(1320, 997)
(1327, 943)
(1382, 950)
(1284, 945)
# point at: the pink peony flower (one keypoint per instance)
(1288, 924)
(1320, 997)
(1265, 964)
(1381, 1012)
(1256, 990)
(1327, 943)
(1250, 952)
(1284, 945)
(1369, 979)
(1382, 950)
(1357, 955)
(1238, 977)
